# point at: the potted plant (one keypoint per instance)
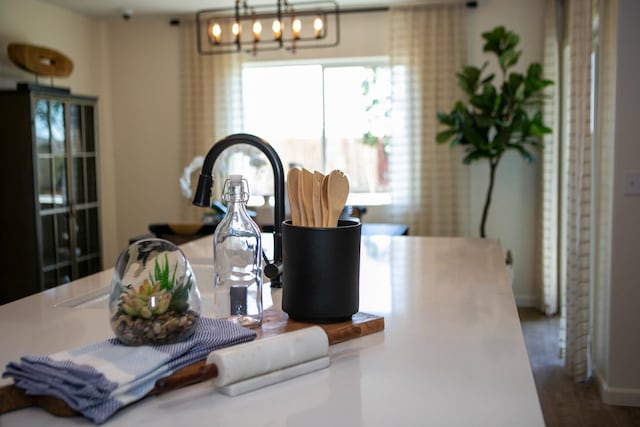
(497, 116)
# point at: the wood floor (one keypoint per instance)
(564, 403)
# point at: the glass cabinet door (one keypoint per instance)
(67, 188)
(85, 193)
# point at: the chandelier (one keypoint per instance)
(268, 27)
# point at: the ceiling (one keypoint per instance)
(115, 8)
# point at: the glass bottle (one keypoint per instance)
(237, 259)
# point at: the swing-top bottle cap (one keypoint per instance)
(235, 179)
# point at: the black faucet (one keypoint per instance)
(202, 196)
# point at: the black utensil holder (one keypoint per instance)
(321, 272)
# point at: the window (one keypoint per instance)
(324, 117)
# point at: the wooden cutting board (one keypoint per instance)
(274, 322)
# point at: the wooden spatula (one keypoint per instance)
(324, 195)
(306, 198)
(293, 182)
(317, 198)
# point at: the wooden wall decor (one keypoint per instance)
(39, 60)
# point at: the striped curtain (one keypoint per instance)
(212, 104)
(550, 164)
(429, 183)
(577, 230)
(581, 261)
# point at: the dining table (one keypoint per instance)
(451, 352)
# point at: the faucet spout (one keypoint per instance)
(202, 195)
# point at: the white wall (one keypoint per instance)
(619, 366)
(513, 215)
(84, 41)
(144, 69)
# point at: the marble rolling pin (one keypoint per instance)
(256, 364)
(237, 369)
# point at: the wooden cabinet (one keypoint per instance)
(50, 189)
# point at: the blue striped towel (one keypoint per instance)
(101, 378)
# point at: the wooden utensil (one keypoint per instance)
(317, 198)
(306, 197)
(293, 182)
(325, 201)
(337, 192)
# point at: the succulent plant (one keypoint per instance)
(145, 301)
(157, 294)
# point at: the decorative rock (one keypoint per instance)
(169, 327)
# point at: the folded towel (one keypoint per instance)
(101, 378)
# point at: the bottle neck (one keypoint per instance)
(236, 193)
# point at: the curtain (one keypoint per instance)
(429, 183)
(579, 175)
(577, 230)
(550, 164)
(212, 103)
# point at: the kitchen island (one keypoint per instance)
(451, 354)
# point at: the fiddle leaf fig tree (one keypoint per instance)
(496, 116)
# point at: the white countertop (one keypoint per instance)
(452, 352)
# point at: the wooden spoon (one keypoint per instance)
(317, 198)
(293, 182)
(306, 197)
(337, 192)
(324, 199)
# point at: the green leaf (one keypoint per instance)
(526, 155)
(445, 135)
(468, 78)
(445, 119)
(487, 79)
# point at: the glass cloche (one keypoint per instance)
(154, 297)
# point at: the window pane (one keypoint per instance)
(75, 129)
(63, 238)
(42, 126)
(56, 119)
(60, 180)
(295, 107)
(81, 233)
(89, 137)
(78, 180)
(92, 183)
(45, 187)
(356, 126)
(283, 105)
(48, 240)
(93, 236)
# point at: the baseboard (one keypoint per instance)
(527, 301)
(616, 395)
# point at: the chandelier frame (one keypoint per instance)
(285, 12)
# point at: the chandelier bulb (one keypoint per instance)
(257, 30)
(318, 24)
(216, 32)
(296, 27)
(235, 29)
(277, 29)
